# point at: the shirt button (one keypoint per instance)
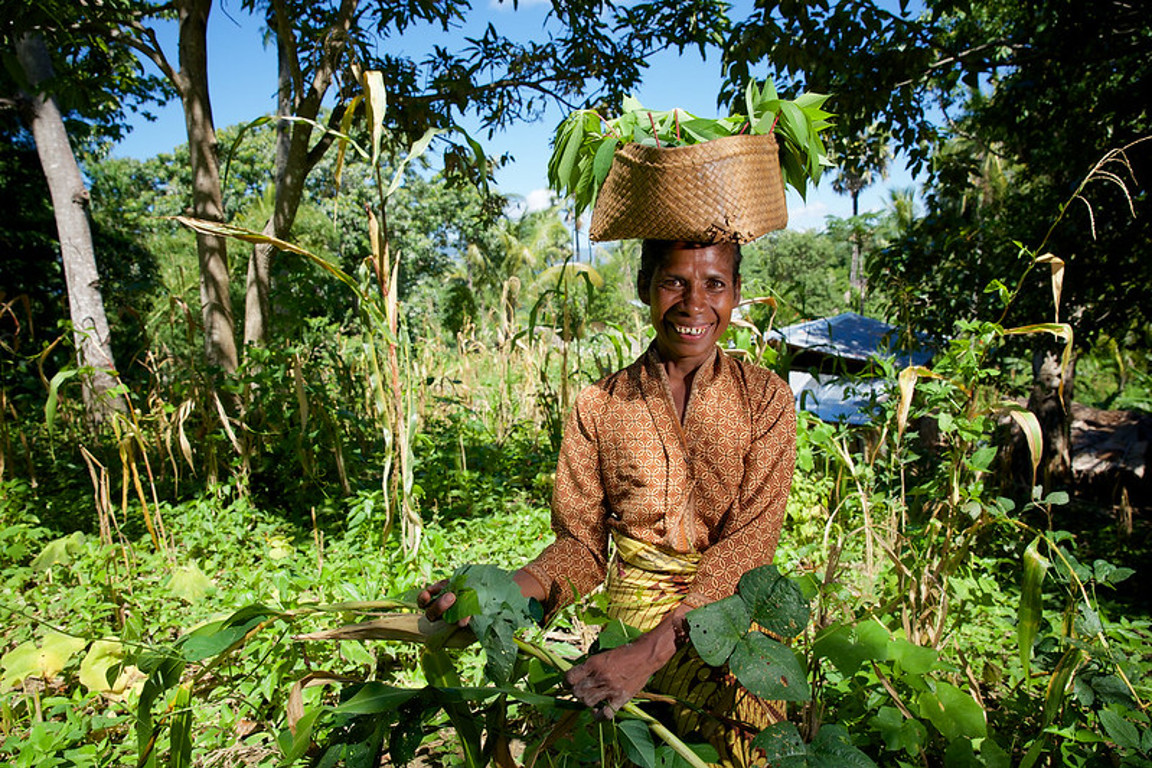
(660, 527)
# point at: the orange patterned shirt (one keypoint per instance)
(716, 484)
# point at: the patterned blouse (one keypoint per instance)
(716, 484)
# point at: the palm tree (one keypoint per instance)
(860, 159)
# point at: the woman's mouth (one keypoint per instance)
(690, 330)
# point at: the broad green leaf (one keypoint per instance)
(874, 639)
(836, 643)
(768, 669)
(374, 697)
(899, 732)
(981, 459)
(1088, 621)
(832, 748)
(294, 745)
(188, 583)
(716, 628)
(97, 670)
(497, 610)
(782, 745)
(913, 659)
(773, 601)
(602, 163)
(1030, 611)
(59, 551)
(616, 633)
(53, 395)
(638, 744)
(954, 713)
(993, 755)
(218, 636)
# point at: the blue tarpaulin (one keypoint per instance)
(845, 337)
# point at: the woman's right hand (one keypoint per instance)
(436, 601)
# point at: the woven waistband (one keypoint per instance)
(650, 557)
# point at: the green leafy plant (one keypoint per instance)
(585, 142)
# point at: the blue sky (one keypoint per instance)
(242, 79)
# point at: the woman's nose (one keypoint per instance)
(694, 297)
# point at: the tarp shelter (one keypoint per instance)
(826, 353)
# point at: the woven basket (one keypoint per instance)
(724, 190)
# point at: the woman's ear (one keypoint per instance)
(736, 285)
(643, 283)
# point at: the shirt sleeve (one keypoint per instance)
(749, 535)
(576, 562)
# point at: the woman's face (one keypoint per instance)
(691, 296)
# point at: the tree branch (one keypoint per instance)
(151, 50)
(286, 37)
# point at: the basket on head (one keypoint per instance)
(724, 190)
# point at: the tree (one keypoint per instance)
(95, 86)
(321, 45)
(859, 160)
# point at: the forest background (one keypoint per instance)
(313, 359)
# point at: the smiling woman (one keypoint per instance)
(674, 472)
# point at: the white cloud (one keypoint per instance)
(538, 199)
(808, 216)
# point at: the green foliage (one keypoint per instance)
(582, 152)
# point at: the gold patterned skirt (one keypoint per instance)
(644, 583)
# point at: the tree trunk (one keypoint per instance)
(856, 279)
(1054, 417)
(207, 195)
(70, 207)
(294, 158)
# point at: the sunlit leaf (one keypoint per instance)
(1030, 611)
(1057, 266)
(45, 660)
(100, 665)
(907, 382)
(59, 551)
(377, 101)
(189, 583)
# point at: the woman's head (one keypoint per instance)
(691, 290)
(652, 253)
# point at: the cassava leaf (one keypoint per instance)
(716, 628)
(768, 669)
(773, 601)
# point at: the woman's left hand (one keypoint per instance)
(610, 679)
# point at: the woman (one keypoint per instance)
(685, 460)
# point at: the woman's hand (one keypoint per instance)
(436, 601)
(609, 680)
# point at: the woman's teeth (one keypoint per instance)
(691, 330)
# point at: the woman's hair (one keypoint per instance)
(652, 253)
